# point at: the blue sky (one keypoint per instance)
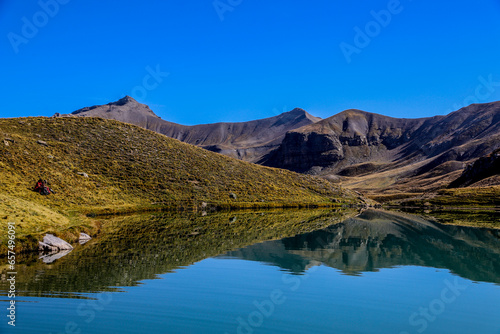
(195, 63)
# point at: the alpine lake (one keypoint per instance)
(291, 271)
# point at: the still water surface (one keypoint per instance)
(269, 272)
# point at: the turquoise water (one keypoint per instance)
(376, 273)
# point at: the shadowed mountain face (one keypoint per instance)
(484, 171)
(249, 141)
(378, 239)
(425, 151)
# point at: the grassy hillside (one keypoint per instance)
(488, 196)
(130, 169)
(465, 197)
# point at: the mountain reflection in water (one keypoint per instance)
(133, 249)
(380, 239)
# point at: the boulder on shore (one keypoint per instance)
(84, 238)
(56, 242)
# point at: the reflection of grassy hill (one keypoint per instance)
(129, 169)
(140, 247)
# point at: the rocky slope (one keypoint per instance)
(248, 141)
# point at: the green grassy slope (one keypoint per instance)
(130, 169)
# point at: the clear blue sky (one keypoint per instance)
(262, 58)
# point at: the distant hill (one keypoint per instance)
(248, 141)
(98, 166)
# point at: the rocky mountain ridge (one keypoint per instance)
(365, 151)
(421, 153)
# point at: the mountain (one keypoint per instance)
(248, 141)
(372, 152)
(368, 152)
(104, 166)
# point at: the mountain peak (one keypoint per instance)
(124, 100)
(117, 110)
(299, 112)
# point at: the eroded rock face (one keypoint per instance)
(302, 151)
(350, 143)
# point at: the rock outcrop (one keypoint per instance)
(351, 137)
(83, 238)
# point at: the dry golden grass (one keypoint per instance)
(458, 198)
(470, 196)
